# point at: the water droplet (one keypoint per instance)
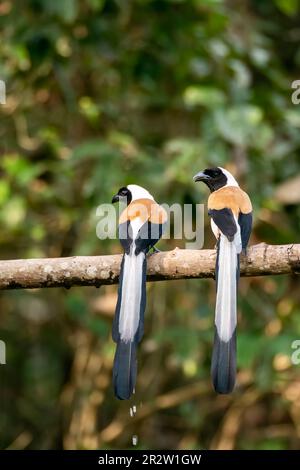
(132, 411)
(134, 440)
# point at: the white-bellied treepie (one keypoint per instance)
(141, 225)
(230, 210)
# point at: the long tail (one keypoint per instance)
(223, 368)
(128, 326)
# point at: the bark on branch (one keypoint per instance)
(261, 260)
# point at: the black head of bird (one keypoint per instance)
(215, 178)
(124, 194)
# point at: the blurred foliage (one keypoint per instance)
(101, 93)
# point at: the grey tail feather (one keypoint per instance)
(124, 370)
(217, 266)
(237, 273)
(125, 362)
(115, 327)
(223, 366)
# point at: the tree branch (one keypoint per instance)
(261, 260)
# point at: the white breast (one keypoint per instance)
(136, 224)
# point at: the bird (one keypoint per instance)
(141, 225)
(230, 210)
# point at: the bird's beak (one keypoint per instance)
(201, 177)
(116, 198)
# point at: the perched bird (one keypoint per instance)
(141, 225)
(230, 210)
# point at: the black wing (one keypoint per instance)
(125, 235)
(245, 222)
(224, 220)
(148, 236)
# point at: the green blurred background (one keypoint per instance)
(102, 93)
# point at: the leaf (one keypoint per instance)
(67, 10)
(238, 124)
(203, 95)
(289, 7)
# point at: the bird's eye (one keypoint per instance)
(123, 192)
